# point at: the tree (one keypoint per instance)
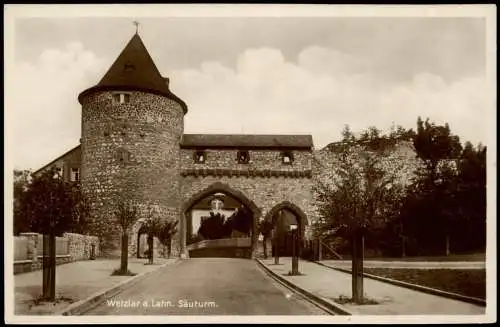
(242, 220)
(265, 228)
(435, 143)
(22, 221)
(45, 206)
(212, 227)
(48, 197)
(153, 226)
(435, 189)
(126, 215)
(363, 197)
(81, 209)
(167, 230)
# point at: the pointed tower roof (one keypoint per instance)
(134, 70)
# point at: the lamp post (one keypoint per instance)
(295, 256)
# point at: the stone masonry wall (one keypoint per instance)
(78, 247)
(265, 192)
(130, 152)
(259, 160)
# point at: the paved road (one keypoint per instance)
(207, 286)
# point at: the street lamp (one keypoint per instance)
(295, 256)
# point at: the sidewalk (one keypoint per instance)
(74, 282)
(346, 264)
(392, 300)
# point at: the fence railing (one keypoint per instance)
(317, 250)
(323, 245)
(221, 243)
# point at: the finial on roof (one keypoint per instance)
(136, 23)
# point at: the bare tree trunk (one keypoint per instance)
(447, 244)
(403, 247)
(151, 249)
(276, 252)
(357, 267)
(169, 248)
(265, 246)
(49, 266)
(124, 254)
(320, 250)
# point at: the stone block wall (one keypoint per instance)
(70, 247)
(79, 247)
(270, 159)
(130, 152)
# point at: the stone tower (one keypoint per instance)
(132, 126)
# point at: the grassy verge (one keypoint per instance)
(468, 282)
(475, 257)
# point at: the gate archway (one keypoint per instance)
(298, 213)
(212, 190)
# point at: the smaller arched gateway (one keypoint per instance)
(284, 210)
(220, 242)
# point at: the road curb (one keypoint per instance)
(424, 289)
(91, 301)
(330, 305)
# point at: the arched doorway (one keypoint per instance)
(210, 194)
(285, 214)
(142, 241)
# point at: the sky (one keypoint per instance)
(257, 75)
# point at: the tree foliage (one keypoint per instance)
(435, 143)
(444, 203)
(362, 195)
(126, 215)
(45, 199)
(166, 232)
(446, 207)
(216, 225)
(213, 227)
(266, 228)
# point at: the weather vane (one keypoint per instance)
(136, 23)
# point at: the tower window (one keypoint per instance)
(287, 157)
(243, 157)
(200, 157)
(121, 98)
(75, 174)
(123, 156)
